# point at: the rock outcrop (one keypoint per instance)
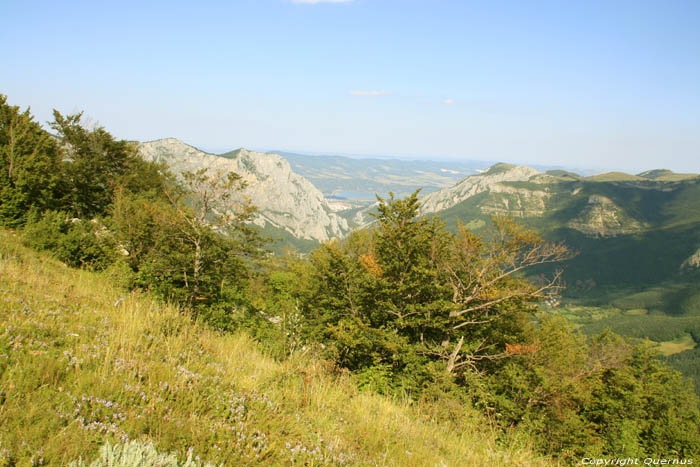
(284, 198)
(602, 217)
(472, 185)
(693, 261)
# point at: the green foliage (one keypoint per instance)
(596, 397)
(688, 362)
(406, 301)
(378, 378)
(182, 249)
(29, 166)
(649, 403)
(660, 327)
(44, 231)
(76, 243)
(374, 296)
(96, 164)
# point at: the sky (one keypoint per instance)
(603, 84)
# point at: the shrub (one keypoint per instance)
(76, 242)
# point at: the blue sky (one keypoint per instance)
(610, 84)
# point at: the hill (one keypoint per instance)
(614, 177)
(82, 363)
(665, 175)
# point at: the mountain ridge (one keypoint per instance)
(284, 199)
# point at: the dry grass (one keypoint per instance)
(681, 344)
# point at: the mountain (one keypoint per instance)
(653, 223)
(489, 181)
(286, 201)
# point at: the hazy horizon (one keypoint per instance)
(594, 84)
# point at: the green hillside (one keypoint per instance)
(613, 177)
(82, 363)
(563, 174)
(651, 229)
(633, 236)
(666, 175)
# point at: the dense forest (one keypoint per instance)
(408, 308)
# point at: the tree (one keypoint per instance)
(597, 396)
(29, 165)
(191, 243)
(490, 292)
(408, 296)
(205, 205)
(95, 164)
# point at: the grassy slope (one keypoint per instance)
(82, 362)
(613, 177)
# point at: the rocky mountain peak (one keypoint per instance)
(475, 184)
(285, 199)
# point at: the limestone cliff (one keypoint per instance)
(488, 181)
(602, 217)
(284, 198)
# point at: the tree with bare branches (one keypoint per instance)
(487, 276)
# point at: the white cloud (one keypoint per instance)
(369, 93)
(448, 101)
(321, 1)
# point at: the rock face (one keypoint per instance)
(523, 192)
(693, 261)
(475, 184)
(284, 199)
(602, 217)
(501, 199)
(509, 201)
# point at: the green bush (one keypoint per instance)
(44, 231)
(86, 245)
(76, 242)
(120, 274)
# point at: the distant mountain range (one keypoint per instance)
(652, 219)
(629, 229)
(362, 179)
